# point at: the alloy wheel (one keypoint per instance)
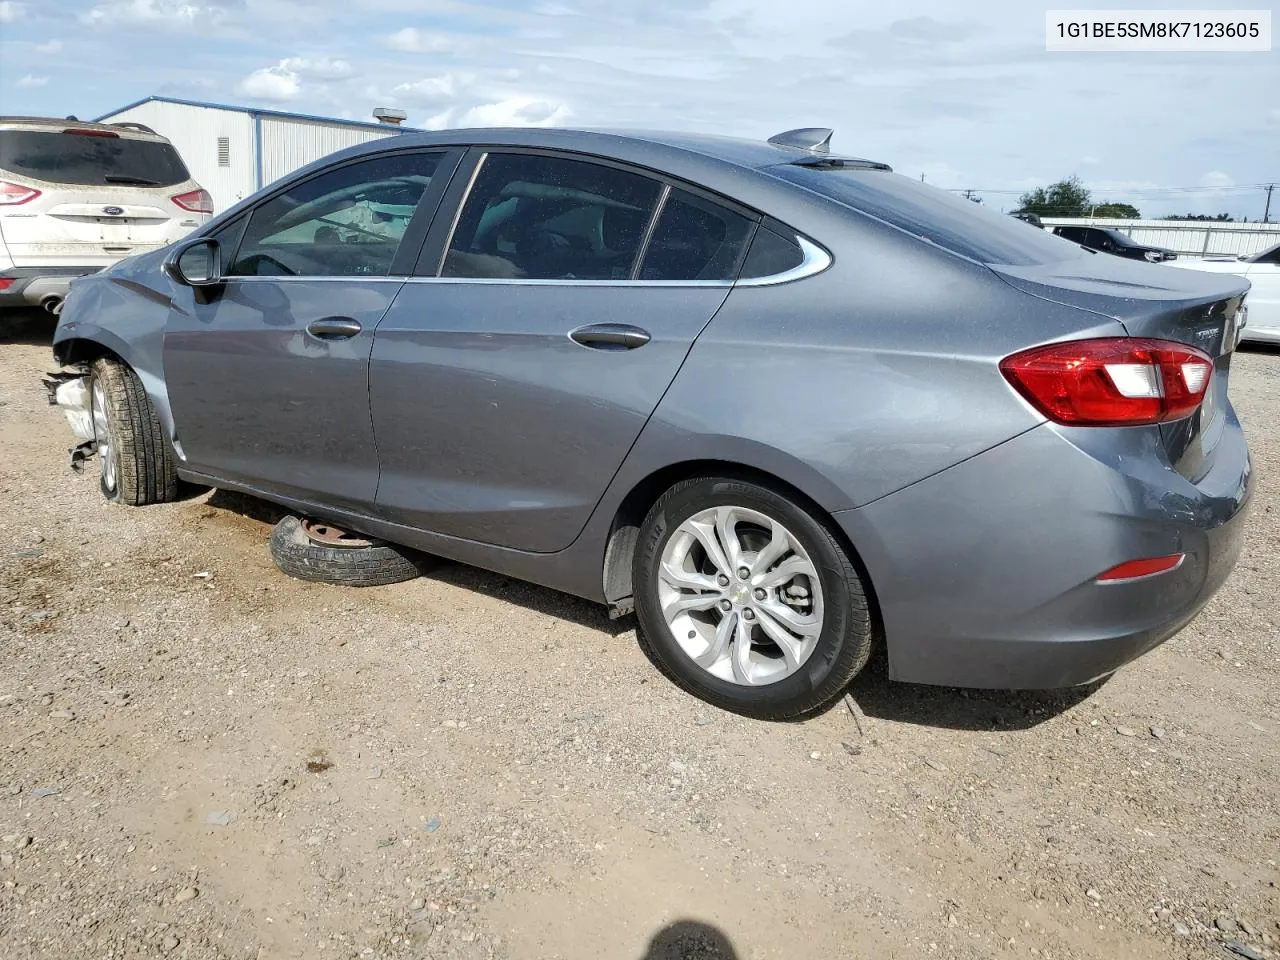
(103, 435)
(740, 595)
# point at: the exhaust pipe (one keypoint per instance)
(53, 304)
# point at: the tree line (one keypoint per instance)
(1071, 198)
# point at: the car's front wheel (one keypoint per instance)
(748, 601)
(136, 463)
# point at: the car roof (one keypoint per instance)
(734, 151)
(54, 124)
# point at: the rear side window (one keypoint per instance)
(551, 218)
(950, 221)
(344, 223)
(771, 254)
(695, 239)
(90, 160)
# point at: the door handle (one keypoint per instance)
(334, 328)
(610, 336)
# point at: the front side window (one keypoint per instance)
(550, 218)
(345, 223)
(695, 239)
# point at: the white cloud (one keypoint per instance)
(413, 40)
(10, 11)
(431, 91)
(320, 68)
(31, 80)
(177, 12)
(517, 111)
(554, 10)
(1088, 160)
(271, 83)
(1216, 178)
(49, 46)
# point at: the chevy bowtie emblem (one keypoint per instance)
(113, 211)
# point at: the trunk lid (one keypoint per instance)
(1203, 310)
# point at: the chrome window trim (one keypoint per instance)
(295, 278)
(544, 282)
(814, 260)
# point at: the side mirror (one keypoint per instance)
(197, 263)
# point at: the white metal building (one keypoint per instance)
(233, 151)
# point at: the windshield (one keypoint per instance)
(950, 221)
(90, 160)
(1271, 255)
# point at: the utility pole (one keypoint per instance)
(1266, 214)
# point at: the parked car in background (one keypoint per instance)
(1262, 270)
(781, 403)
(76, 197)
(1107, 240)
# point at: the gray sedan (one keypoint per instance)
(786, 405)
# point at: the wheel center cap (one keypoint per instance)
(739, 593)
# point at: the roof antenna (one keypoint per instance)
(813, 139)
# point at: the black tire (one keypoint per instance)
(144, 470)
(842, 647)
(370, 566)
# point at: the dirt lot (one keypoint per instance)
(202, 758)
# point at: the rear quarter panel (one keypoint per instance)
(870, 376)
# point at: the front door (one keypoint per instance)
(507, 387)
(268, 378)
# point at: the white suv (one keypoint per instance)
(76, 197)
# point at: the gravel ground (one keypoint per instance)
(201, 758)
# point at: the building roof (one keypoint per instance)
(256, 111)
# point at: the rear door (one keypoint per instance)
(268, 377)
(88, 196)
(509, 380)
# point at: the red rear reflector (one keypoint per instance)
(12, 194)
(1118, 381)
(6, 283)
(197, 201)
(1137, 569)
(91, 133)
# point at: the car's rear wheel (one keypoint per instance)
(748, 601)
(135, 461)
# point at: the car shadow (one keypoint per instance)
(27, 327)
(872, 691)
(541, 600)
(953, 708)
(532, 597)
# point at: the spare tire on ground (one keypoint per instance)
(314, 550)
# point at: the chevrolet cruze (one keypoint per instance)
(784, 404)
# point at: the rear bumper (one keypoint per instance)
(32, 286)
(985, 573)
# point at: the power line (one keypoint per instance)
(1137, 192)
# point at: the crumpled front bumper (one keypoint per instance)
(70, 392)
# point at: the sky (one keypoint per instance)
(960, 92)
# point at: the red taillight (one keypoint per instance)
(6, 283)
(197, 201)
(76, 132)
(1139, 569)
(12, 194)
(1120, 381)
